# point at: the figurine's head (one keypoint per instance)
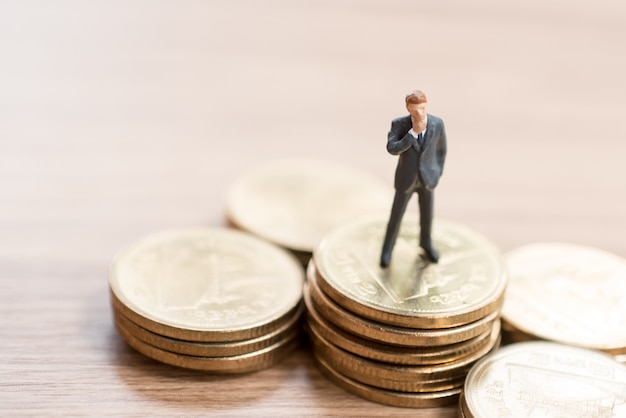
(416, 105)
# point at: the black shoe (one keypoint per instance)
(385, 259)
(431, 254)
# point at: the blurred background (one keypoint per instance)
(120, 118)
(138, 114)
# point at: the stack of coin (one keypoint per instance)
(294, 203)
(408, 334)
(566, 293)
(217, 300)
(544, 379)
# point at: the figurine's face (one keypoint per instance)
(418, 111)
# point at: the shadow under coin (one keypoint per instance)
(195, 389)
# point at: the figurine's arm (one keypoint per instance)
(442, 149)
(434, 156)
(399, 139)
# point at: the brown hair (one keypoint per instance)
(415, 97)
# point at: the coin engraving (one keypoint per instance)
(469, 276)
(207, 280)
(568, 293)
(546, 379)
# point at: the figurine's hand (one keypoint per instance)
(419, 126)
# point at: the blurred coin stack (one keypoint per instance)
(406, 335)
(544, 379)
(566, 293)
(208, 299)
(294, 203)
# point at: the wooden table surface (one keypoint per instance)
(119, 119)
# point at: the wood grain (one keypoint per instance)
(119, 119)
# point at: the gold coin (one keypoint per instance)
(462, 410)
(209, 349)
(569, 294)
(302, 256)
(543, 379)
(466, 284)
(206, 285)
(243, 363)
(395, 354)
(400, 377)
(388, 334)
(388, 397)
(393, 385)
(294, 203)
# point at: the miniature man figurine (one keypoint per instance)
(419, 140)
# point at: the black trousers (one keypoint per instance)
(400, 201)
